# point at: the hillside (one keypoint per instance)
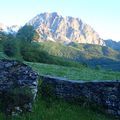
(92, 55)
(74, 50)
(51, 109)
(113, 44)
(71, 71)
(54, 27)
(57, 53)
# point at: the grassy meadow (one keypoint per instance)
(72, 73)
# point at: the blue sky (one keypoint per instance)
(102, 15)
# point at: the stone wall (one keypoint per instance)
(103, 93)
(18, 86)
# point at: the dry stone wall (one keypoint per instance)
(106, 94)
(18, 86)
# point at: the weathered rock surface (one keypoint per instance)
(18, 86)
(103, 94)
(54, 27)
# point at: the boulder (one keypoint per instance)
(18, 86)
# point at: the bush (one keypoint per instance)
(27, 33)
(10, 48)
(31, 53)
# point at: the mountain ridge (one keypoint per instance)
(54, 27)
(113, 44)
(13, 29)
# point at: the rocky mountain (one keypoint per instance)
(113, 44)
(9, 29)
(54, 27)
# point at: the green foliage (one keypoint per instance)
(10, 48)
(3, 56)
(98, 67)
(33, 54)
(35, 36)
(27, 33)
(79, 52)
(60, 50)
(3, 36)
(74, 50)
(59, 54)
(91, 55)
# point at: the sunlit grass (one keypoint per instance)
(82, 73)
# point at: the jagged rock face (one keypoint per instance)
(18, 86)
(52, 26)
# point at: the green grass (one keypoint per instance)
(71, 73)
(59, 110)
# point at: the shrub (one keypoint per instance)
(31, 53)
(10, 48)
(27, 33)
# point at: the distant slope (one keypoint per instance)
(96, 50)
(74, 50)
(54, 27)
(92, 55)
(113, 44)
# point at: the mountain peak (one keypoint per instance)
(55, 27)
(50, 14)
(64, 29)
